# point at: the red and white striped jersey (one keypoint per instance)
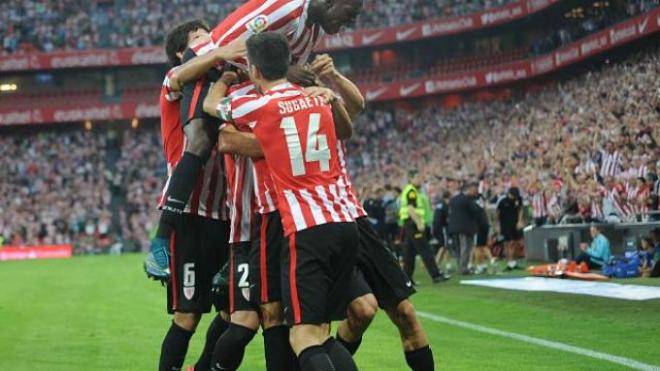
(264, 188)
(208, 197)
(297, 135)
(288, 17)
(539, 205)
(359, 211)
(610, 164)
(240, 197)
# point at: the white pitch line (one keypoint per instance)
(631, 363)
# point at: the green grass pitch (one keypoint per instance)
(101, 313)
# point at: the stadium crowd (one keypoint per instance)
(55, 189)
(585, 150)
(570, 161)
(30, 25)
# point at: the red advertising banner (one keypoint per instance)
(435, 27)
(580, 50)
(36, 252)
(346, 40)
(83, 59)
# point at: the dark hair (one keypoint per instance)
(269, 52)
(177, 39)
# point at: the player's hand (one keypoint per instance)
(232, 51)
(301, 76)
(324, 66)
(420, 227)
(326, 94)
(229, 78)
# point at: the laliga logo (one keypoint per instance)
(258, 24)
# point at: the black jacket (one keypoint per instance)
(464, 215)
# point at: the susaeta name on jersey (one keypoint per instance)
(289, 107)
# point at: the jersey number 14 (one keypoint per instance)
(317, 145)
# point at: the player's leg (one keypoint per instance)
(230, 348)
(265, 258)
(201, 134)
(186, 299)
(317, 265)
(413, 337)
(361, 312)
(200, 137)
(392, 289)
(215, 242)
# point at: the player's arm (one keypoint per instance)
(324, 67)
(343, 121)
(230, 140)
(198, 66)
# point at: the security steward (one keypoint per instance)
(415, 223)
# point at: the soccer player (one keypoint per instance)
(297, 135)
(198, 246)
(303, 22)
(255, 260)
(391, 287)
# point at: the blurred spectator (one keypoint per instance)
(598, 252)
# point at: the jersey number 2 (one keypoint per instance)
(317, 145)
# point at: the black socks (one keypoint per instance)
(229, 350)
(340, 357)
(316, 358)
(182, 183)
(279, 355)
(216, 329)
(351, 347)
(174, 348)
(420, 359)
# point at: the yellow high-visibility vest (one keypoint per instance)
(420, 208)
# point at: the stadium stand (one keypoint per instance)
(94, 188)
(532, 142)
(61, 186)
(76, 25)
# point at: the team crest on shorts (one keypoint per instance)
(246, 293)
(258, 25)
(189, 292)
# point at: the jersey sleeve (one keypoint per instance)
(168, 92)
(241, 111)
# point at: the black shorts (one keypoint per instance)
(240, 285)
(357, 287)
(198, 249)
(317, 267)
(265, 258)
(381, 269)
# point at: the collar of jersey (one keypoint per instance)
(282, 86)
